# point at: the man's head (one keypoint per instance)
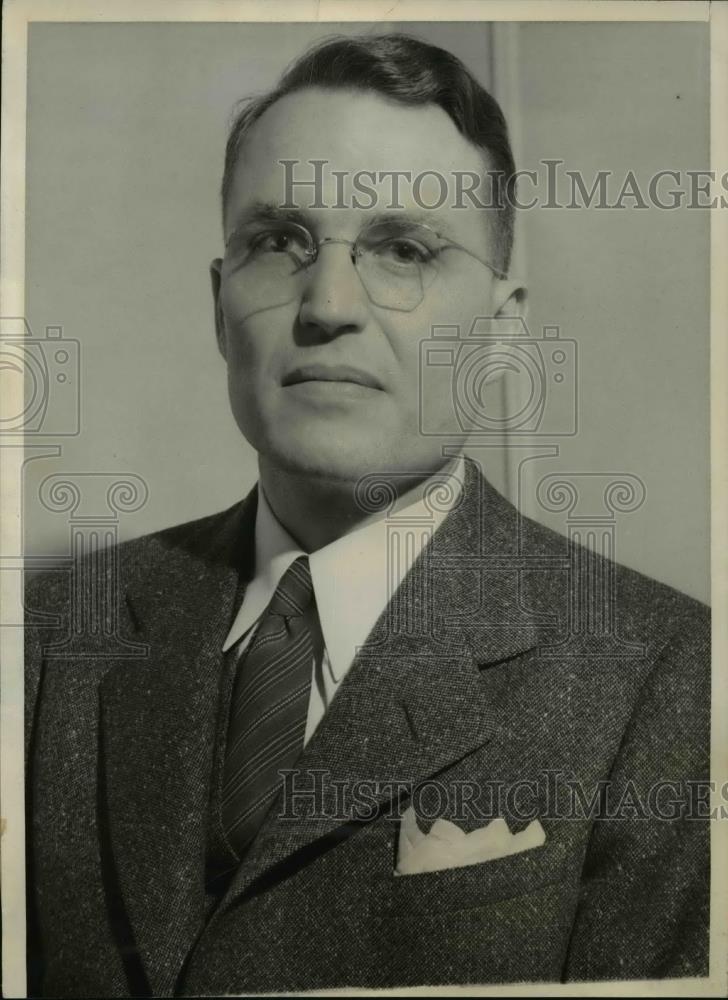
(412, 73)
(315, 299)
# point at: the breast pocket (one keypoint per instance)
(503, 920)
(483, 882)
(448, 889)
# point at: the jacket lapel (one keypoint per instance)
(414, 701)
(157, 731)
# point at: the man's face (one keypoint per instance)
(297, 356)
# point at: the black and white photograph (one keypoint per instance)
(361, 449)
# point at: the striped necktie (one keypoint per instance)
(269, 708)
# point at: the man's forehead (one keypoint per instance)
(356, 151)
(361, 129)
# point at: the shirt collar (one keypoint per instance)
(353, 578)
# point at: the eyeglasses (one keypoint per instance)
(396, 262)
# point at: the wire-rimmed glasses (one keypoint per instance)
(396, 261)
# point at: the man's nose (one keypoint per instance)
(334, 299)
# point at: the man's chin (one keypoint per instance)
(335, 460)
(343, 461)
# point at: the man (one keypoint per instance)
(373, 656)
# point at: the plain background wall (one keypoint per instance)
(632, 287)
(126, 129)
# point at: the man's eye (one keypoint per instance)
(276, 242)
(404, 251)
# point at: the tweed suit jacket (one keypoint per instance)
(479, 674)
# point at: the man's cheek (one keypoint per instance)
(247, 348)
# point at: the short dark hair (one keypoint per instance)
(414, 73)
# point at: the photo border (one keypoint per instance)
(17, 15)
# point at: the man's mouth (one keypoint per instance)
(331, 373)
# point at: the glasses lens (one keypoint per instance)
(397, 263)
(265, 259)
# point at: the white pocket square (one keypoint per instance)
(447, 846)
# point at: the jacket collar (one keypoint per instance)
(354, 576)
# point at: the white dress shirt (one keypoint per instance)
(353, 581)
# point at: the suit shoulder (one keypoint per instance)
(657, 603)
(183, 534)
(645, 607)
(134, 557)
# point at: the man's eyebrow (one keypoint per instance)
(270, 211)
(429, 218)
(267, 211)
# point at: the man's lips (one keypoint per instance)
(331, 373)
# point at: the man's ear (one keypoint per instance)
(510, 298)
(509, 306)
(215, 278)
